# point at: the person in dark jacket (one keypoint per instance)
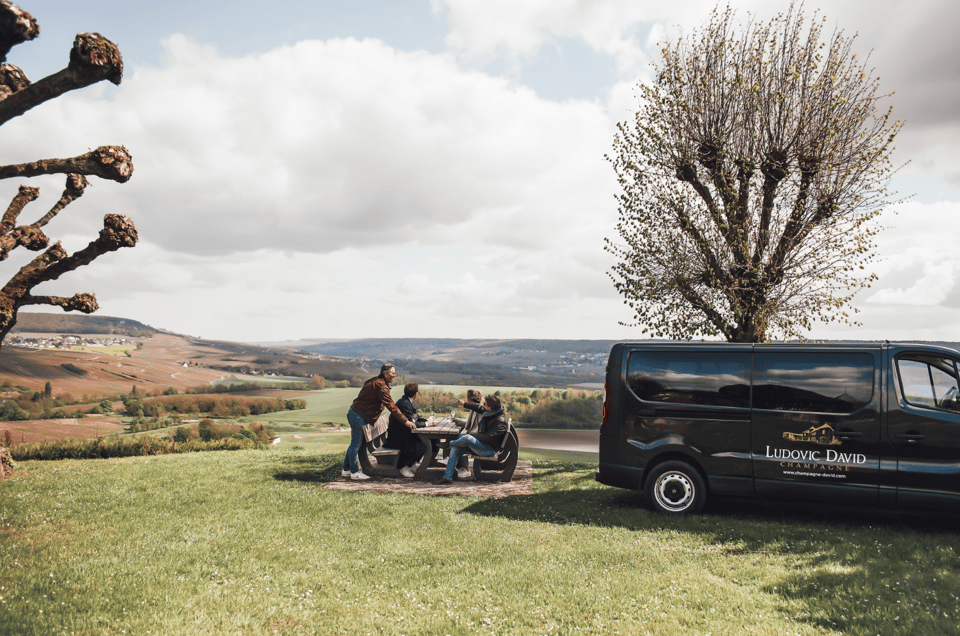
(373, 398)
(490, 431)
(470, 424)
(400, 435)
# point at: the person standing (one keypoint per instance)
(373, 398)
(490, 431)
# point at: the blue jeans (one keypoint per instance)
(356, 440)
(459, 449)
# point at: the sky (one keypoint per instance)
(311, 169)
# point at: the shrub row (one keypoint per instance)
(103, 448)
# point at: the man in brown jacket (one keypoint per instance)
(373, 398)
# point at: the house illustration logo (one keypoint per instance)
(822, 435)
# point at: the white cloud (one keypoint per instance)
(343, 178)
(346, 188)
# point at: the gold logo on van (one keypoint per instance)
(822, 435)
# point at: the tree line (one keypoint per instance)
(539, 408)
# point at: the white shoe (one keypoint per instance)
(406, 472)
(464, 473)
(442, 461)
(344, 473)
(359, 476)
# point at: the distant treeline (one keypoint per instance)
(540, 408)
(37, 405)
(449, 372)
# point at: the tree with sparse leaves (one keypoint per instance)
(93, 58)
(752, 174)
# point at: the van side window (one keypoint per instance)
(812, 381)
(709, 378)
(929, 382)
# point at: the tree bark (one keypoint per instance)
(16, 26)
(107, 162)
(93, 58)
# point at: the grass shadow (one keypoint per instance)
(309, 469)
(847, 570)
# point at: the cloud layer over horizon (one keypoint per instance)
(343, 187)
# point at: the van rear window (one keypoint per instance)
(816, 382)
(710, 378)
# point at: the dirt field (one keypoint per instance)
(43, 430)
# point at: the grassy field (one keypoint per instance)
(251, 543)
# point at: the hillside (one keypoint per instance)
(161, 361)
(517, 362)
(68, 323)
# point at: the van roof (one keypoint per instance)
(817, 346)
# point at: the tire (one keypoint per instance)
(676, 488)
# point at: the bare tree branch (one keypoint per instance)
(93, 58)
(26, 236)
(76, 184)
(16, 26)
(84, 303)
(12, 79)
(106, 162)
(24, 196)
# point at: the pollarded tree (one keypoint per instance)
(93, 58)
(751, 176)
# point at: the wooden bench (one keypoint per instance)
(501, 466)
(375, 460)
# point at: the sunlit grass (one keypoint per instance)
(250, 542)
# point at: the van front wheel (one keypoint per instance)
(676, 488)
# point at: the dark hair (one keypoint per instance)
(386, 368)
(411, 389)
(473, 395)
(493, 402)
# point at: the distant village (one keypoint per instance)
(62, 341)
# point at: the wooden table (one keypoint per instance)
(444, 429)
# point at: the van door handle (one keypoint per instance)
(846, 436)
(911, 438)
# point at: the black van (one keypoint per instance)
(867, 424)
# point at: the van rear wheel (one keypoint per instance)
(676, 488)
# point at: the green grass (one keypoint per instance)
(250, 543)
(328, 405)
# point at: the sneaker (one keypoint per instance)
(464, 473)
(443, 481)
(344, 473)
(359, 476)
(406, 472)
(442, 461)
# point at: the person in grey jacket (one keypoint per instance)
(484, 443)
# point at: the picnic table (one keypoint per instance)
(499, 467)
(438, 429)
